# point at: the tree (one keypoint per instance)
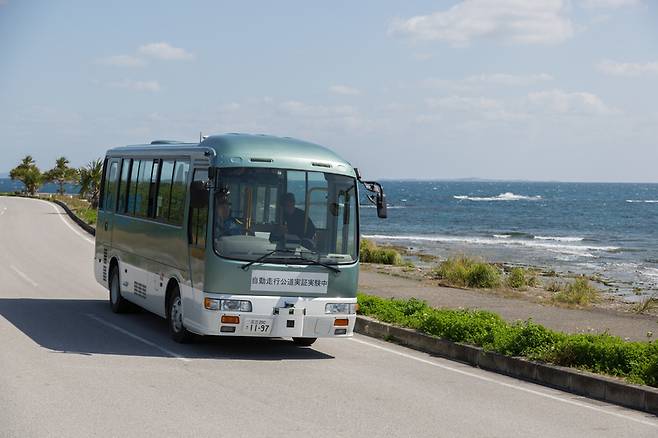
(61, 174)
(29, 174)
(90, 181)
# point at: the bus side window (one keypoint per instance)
(143, 188)
(153, 188)
(133, 185)
(163, 197)
(178, 192)
(111, 187)
(124, 189)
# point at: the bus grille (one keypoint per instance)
(140, 289)
(105, 255)
(105, 272)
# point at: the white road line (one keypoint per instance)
(134, 336)
(508, 385)
(23, 276)
(66, 222)
(2, 210)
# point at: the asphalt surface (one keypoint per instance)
(69, 367)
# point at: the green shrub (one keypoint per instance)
(520, 278)
(465, 272)
(579, 292)
(369, 252)
(602, 353)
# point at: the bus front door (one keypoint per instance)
(197, 228)
(105, 219)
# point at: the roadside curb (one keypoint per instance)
(85, 226)
(578, 382)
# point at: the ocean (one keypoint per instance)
(604, 229)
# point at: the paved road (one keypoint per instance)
(69, 367)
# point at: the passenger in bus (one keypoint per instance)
(225, 224)
(295, 220)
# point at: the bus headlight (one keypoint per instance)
(227, 305)
(235, 305)
(344, 308)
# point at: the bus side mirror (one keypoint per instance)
(199, 194)
(381, 206)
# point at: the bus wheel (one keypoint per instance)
(117, 302)
(175, 318)
(304, 342)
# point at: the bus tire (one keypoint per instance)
(117, 302)
(175, 318)
(304, 342)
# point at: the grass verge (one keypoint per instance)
(80, 207)
(602, 353)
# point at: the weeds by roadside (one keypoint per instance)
(369, 252)
(80, 207)
(465, 272)
(579, 292)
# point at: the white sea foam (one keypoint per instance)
(560, 239)
(558, 248)
(502, 236)
(650, 272)
(389, 207)
(645, 201)
(507, 196)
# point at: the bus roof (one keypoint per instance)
(249, 150)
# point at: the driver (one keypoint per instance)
(225, 224)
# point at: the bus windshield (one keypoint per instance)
(279, 215)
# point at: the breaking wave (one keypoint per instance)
(507, 196)
(645, 201)
(555, 246)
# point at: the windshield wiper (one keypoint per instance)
(316, 262)
(263, 257)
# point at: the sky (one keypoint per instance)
(536, 90)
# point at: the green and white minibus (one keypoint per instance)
(237, 235)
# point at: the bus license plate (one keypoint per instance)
(257, 326)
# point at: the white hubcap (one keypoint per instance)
(176, 315)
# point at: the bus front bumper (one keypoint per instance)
(289, 317)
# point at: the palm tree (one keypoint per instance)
(61, 174)
(90, 181)
(28, 173)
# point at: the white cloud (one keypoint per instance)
(628, 68)
(562, 102)
(123, 61)
(513, 21)
(460, 103)
(608, 4)
(509, 79)
(472, 107)
(301, 109)
(344, 90)
(475, 82)
(149, 86)
(164, 51)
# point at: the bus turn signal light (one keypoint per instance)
(230, 319)
(341, 322)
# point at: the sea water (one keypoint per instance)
(606, 229)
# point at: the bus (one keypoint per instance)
(237, 235)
